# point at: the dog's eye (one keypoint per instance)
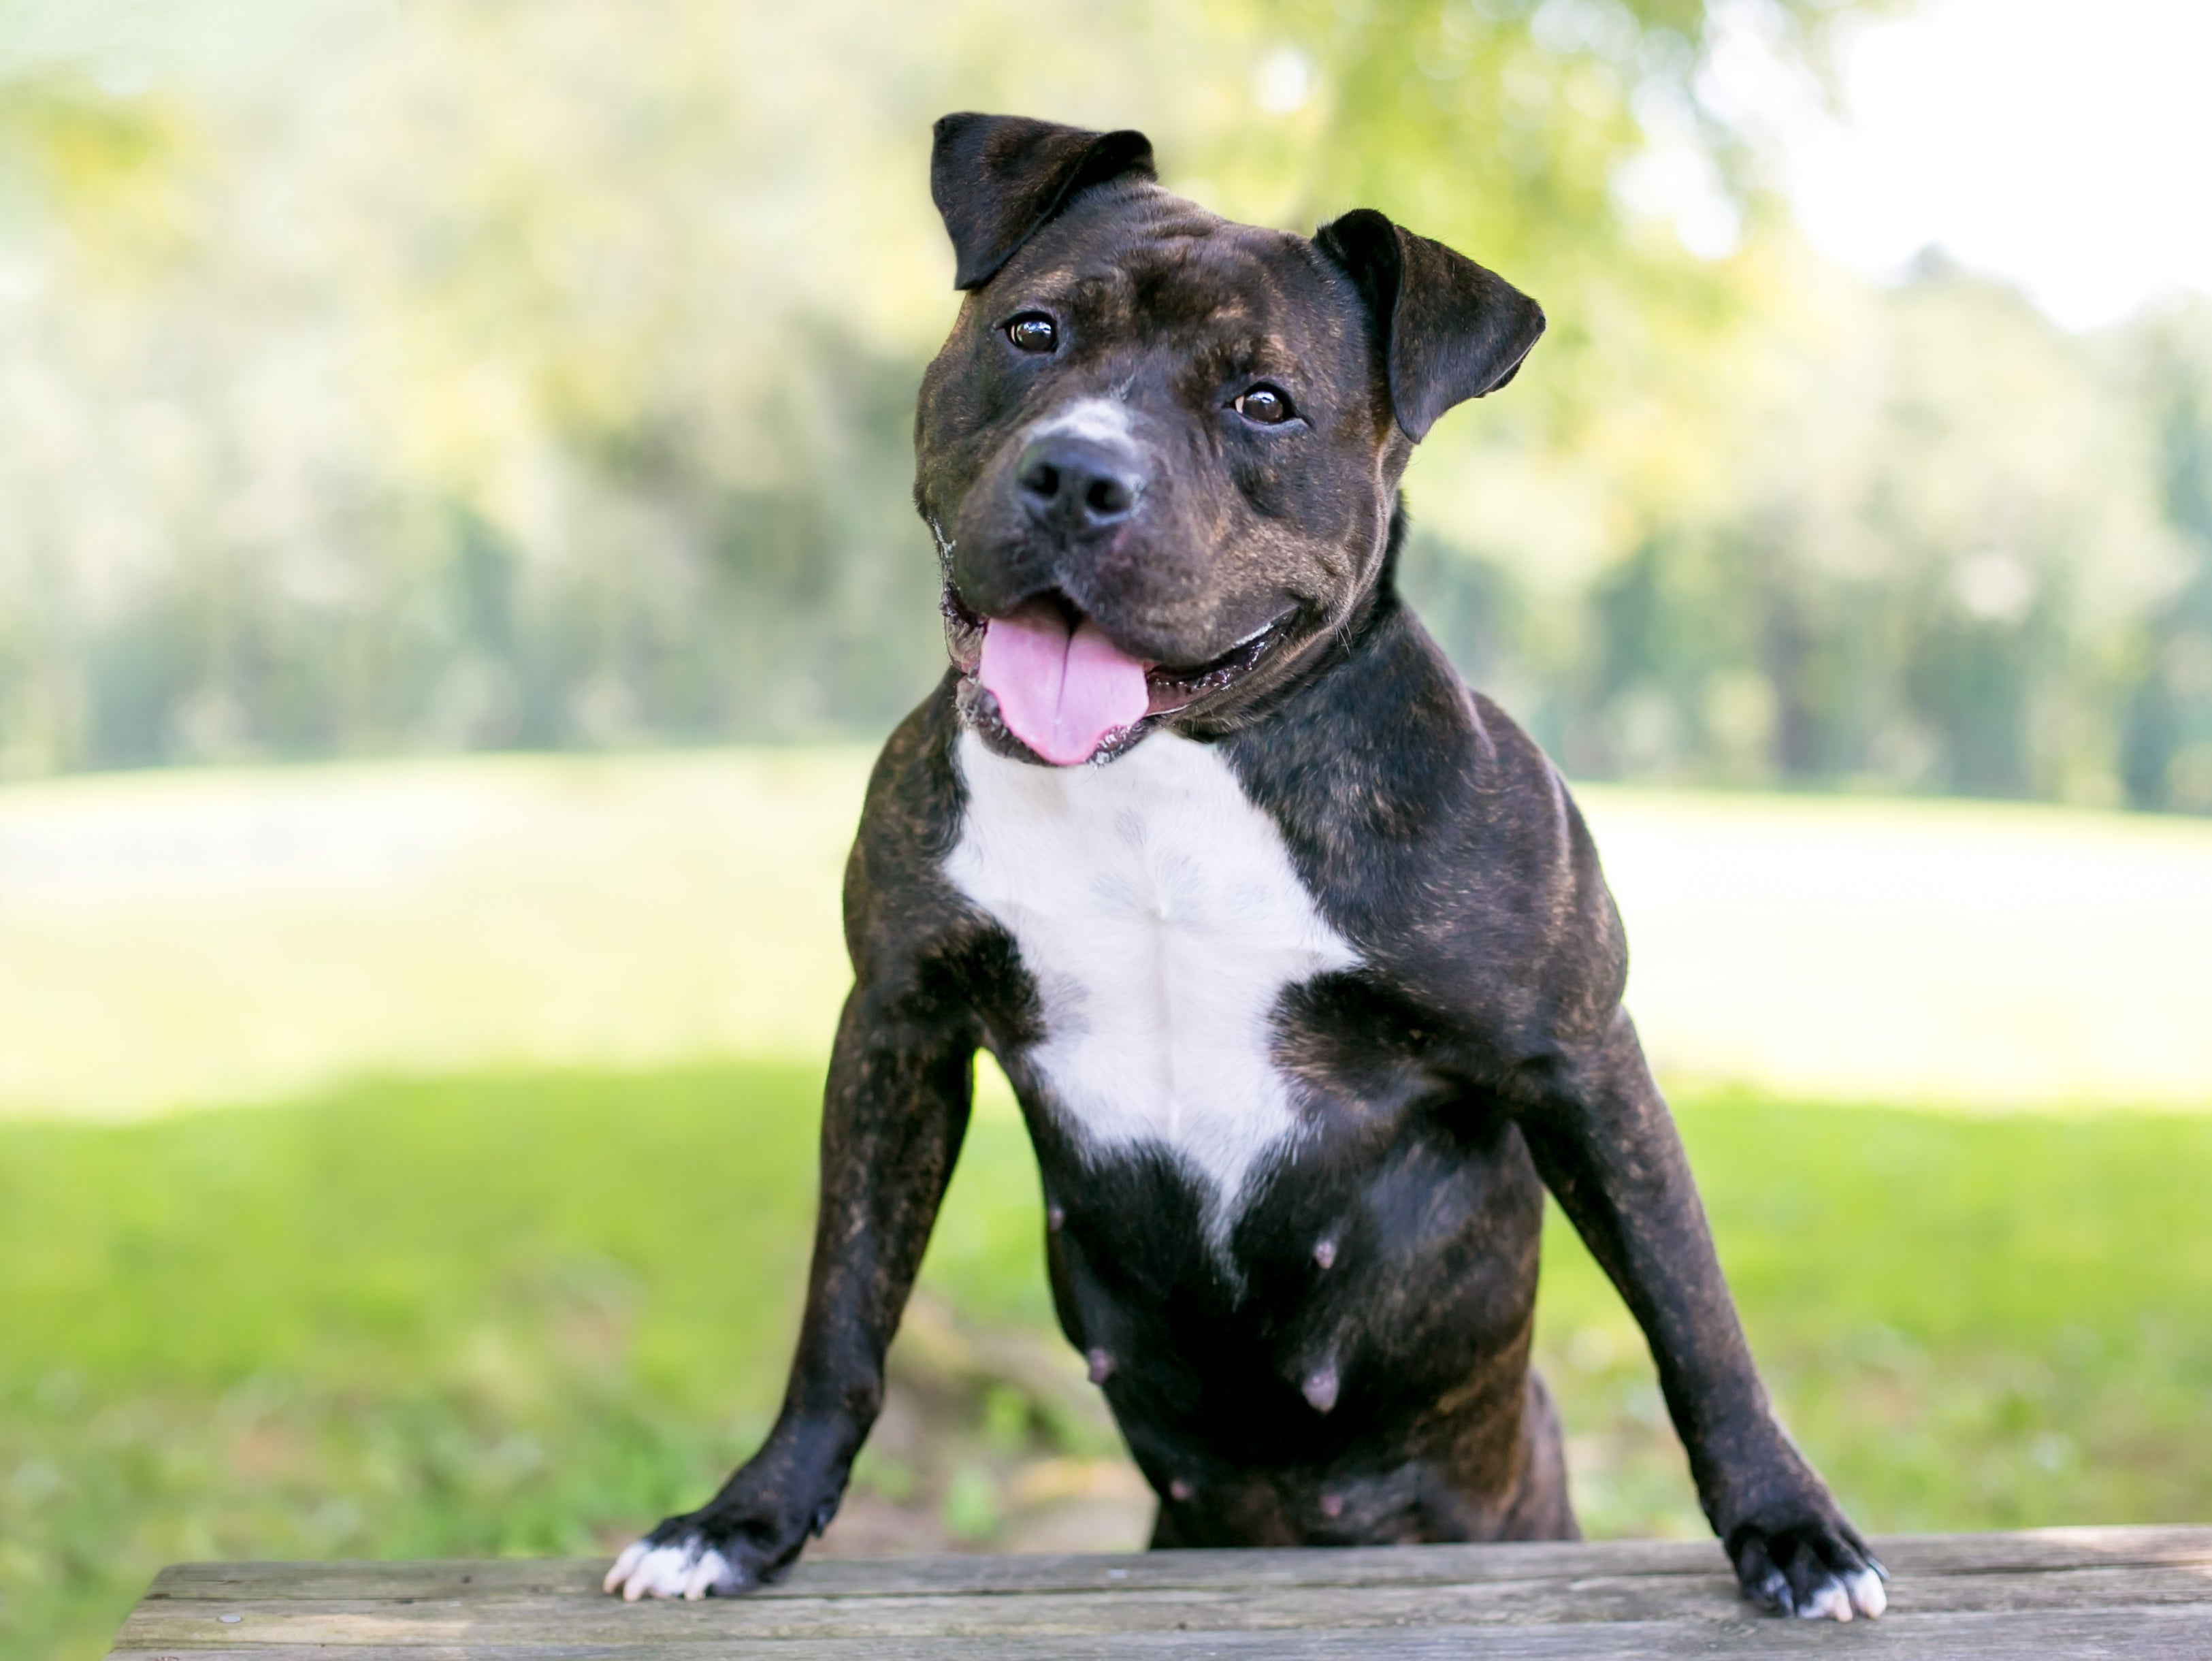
(1033, 332)
(1268, 406)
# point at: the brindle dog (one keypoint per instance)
(1295, 951)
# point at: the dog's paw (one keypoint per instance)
(1814, 1568)
(678, 1559)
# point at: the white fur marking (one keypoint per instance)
(632, 1555)
(710, 1574)
(1102, 420)
(1159, 912)
(1868, 1596)
(1829, 1602)
(679, 1569)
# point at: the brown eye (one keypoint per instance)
(1264, 406)
(1033, 332)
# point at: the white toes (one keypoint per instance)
(1829, 1602)
(711, 1574)
(624, 1564)
(682, 1568)
(661, 1572)
(1868, 1596)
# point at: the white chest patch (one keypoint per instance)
(1159, 912)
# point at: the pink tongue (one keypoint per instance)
(1060, 693)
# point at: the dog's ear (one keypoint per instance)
(1451, 329)
(996, 178)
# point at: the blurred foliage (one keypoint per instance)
(459, 377)
(474, 1315)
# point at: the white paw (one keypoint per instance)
(1857, 1593)
(1867, 1596)
(1827, 1601)
(683, 1567)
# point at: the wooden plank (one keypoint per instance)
(1554, 1601)
(2181, 1633)
(968, 1575)
(2056, 1593)
(1908, 1556)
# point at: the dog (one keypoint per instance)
(1295, 951)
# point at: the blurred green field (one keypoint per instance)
(201, 939)
(417, 1158)
(525, 1314)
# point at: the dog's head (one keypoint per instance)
(1160, 451)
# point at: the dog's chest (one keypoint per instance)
(1159, 912)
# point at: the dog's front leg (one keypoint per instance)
(1607, 1147)
(893, 1116)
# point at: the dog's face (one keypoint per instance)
(1169, 425)
(1160, 450)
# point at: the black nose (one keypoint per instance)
(1079, 484)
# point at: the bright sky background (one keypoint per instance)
(2064, 144)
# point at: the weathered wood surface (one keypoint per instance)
(2139, 1592)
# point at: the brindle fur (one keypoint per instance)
(1478, 1056)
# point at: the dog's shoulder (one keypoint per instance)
(907, 927)
(1439, 837)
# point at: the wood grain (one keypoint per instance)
(2143, 1592)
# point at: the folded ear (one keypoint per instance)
(996, 178)
(1451, 329)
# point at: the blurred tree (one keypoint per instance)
(461, 376)
(2168, 736)
(1937, 539)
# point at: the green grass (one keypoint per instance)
(1970, 1322)
(209, 938)
(547, 1295)
(526, 1313)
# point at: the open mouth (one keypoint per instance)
(1053, 679)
